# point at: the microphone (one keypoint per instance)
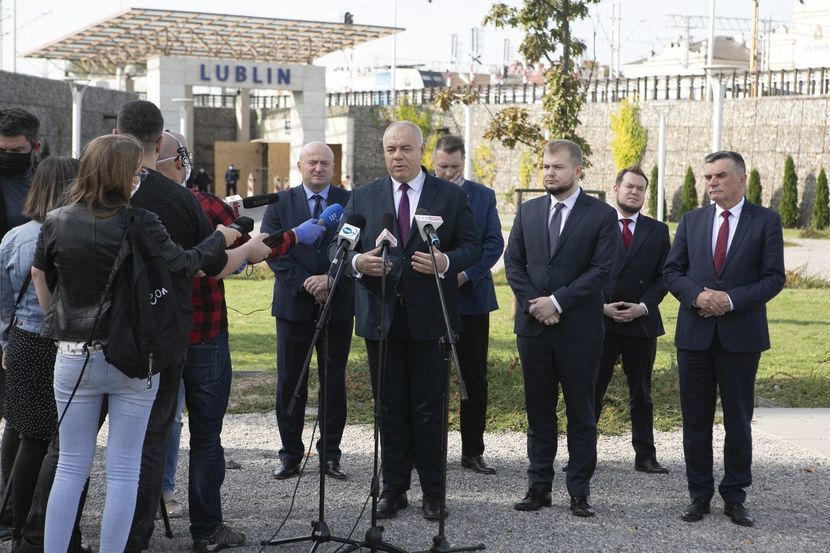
(350, 232)
(330, 216)
(427, 225)
(258, 201)
(386, 238)
(243, 224)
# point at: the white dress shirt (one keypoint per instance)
(734, 216)
(566, 211)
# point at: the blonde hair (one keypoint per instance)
(105, 177)
(49, 185)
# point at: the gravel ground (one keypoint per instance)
(635, 512)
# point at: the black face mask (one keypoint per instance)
(15, 165)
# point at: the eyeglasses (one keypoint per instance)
(142, 174)
(182, 151)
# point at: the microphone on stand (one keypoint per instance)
(427, 225)
(349, 235)
(386, 238)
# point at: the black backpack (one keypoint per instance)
(145, 335)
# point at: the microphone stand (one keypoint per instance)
(373, 539)
(440, 544)
(320, 532)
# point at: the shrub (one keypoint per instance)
(789, 195)
(484, 164)
(526, 168)
(629, 142)
(753, 189)
(652, 192)
(688, 198)
(821, 210)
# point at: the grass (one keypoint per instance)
(794, 373)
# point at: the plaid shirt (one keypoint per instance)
(210, 313)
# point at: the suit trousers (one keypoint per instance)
(637, 361)
(412, 404)
(293, 341)
(547, 363)
(472, 356)
(702, 374)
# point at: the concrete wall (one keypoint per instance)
(51, 102)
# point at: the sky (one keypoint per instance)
(645, 25)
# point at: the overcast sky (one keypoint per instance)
(429, 26)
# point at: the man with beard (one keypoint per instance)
(632, 315)
(559, 258)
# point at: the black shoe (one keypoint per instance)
(286, 469)
(739, 514)
(223, 538)
(476, 463)
(390, 503)
(650, 466)
(533, 501)
(333, 469)
(580, 506)
(695, 510)
(431, 507)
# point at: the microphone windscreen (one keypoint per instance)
(257, 201)
(245, 224)
(388, 221)
(356, 220)
(421, 211)
(331, 215)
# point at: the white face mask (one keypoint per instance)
(187, 171)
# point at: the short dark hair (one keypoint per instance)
(450, 144)
(562, 145)
(143, 120)
(16, 122)
(635, 169)
(736, 158)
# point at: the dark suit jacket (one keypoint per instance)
(291, 301)
(639, 279)
(478, 295)
(752, 274)
(459, 241)
(577, 273)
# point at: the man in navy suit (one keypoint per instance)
(560, 256)
(476, 299)
(301, 286)
(632, 312)
(415, 377)
(726, 263)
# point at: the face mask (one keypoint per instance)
(14, 164)
(186, 175)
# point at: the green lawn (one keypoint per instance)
(794, 373)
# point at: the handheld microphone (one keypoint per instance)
(243, 224)
(350, 232)
(386, 238)
(330, 216)
(258, 201)
(427, 225)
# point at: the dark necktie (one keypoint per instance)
(318, 206)
(404, 222)
(627, 237)
(722, 243)
(555, 225)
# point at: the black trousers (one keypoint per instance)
(547, 363)
(637, 361)
(702, 374)
(293, 341)
(472, 356)
(412, 405)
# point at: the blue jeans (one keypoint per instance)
(129, 403)
(173, 443)
(207, 384)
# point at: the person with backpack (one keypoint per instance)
(73, 264)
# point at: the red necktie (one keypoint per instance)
(404, 222)
(722, 242)
(627, 237)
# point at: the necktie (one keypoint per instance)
(404, 222)
(318, 206)
(627, 237)
(722, 242)
(555, 225)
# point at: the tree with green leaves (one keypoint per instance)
(789, 195)
(423, 117)
(652, 191)
(688, 196)
(753, 189)
(546, 26)
(821, 209)
(629, 142)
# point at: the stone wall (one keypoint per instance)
(51, 102)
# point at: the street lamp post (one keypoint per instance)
(716, 75)
(662, 109)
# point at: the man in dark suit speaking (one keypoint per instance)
(560, 255)
(726, 263)
(632, 312)
(415, 375)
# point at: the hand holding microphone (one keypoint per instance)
(230, 234)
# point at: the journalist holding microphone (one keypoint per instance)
(415, 377)
(74, 256)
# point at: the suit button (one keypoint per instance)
(641, 282)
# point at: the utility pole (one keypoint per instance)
(753, 51)
(710, 49)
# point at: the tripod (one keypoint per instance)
(440, 544)
(320, 532)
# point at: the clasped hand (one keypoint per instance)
(712, 303)
(544, 311)
(623, 311)
(318, 286)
